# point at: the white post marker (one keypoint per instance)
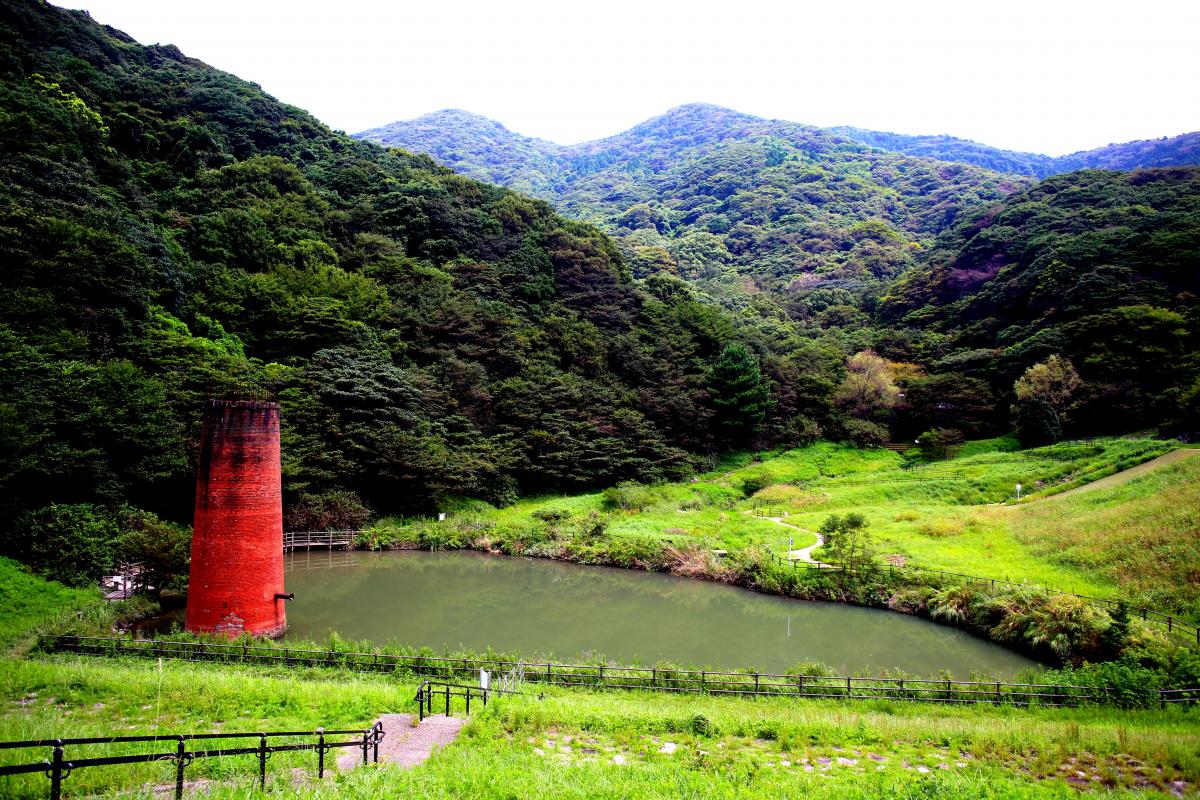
(1018, 491)
(485, 679)
(441, 516)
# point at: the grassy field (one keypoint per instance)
(1142, 535)
(96, 697)
(952, 515)
(581, 744)
(30, 602)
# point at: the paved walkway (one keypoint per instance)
(407, 744)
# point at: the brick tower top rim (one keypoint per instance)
(251, 404)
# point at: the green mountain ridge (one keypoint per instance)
(726, 199)
(1173, 151)
(484, 149)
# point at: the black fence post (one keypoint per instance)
(262, 761)
(447, 700)
(366, 747)
(56, 771)
(320, 753)
(180, 763)
(377, 733)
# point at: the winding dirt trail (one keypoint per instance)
(804, 553)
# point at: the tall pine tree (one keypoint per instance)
(738, 393)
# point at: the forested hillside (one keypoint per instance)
(1101, 269)
(1172, 151)
(735, 203)
(171, 232)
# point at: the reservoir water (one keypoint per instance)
(543, 608)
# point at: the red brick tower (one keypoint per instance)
(236, 583)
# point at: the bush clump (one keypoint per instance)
(629, 496)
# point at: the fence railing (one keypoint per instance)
(603, 676)
(305, 540)
(1172, 625)
(58, 767)
(431, 691)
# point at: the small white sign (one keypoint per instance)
(485, 679)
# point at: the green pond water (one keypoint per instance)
(549, 608)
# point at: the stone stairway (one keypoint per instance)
(406, 744)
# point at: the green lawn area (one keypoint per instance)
(30, 602)
(64, 697)
(1142, 535)
(956, 515)
(552, 742)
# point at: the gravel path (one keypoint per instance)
(409, 745)
(1124, 476)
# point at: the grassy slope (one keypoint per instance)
(938, 515)
(1143, 535)
(29, 602)
(507, 751)
(76, 698)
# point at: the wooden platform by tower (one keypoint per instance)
(307, 540)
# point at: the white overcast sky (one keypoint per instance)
(1050, 76)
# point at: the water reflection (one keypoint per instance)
(548, 608)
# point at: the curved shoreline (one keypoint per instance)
(834, 595)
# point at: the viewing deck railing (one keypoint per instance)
(306, 540)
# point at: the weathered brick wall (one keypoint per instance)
(237, 543)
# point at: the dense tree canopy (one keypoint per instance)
(171, 233)
(1099, 268)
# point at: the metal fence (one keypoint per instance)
(430, 691)
(58, 767)
(1172, 625)
(603, 676)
